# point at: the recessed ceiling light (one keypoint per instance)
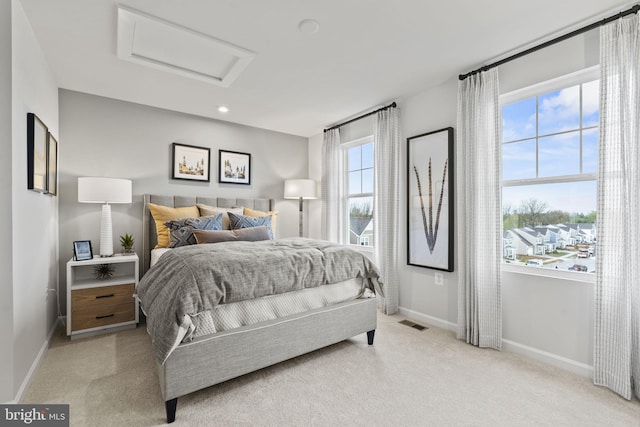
(309, 26)
(223, 109)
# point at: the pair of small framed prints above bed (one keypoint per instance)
(42, 157)
(194, 163)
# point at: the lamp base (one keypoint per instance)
(300, 217)
(106, 232)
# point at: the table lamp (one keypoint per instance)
(104, 190)
(301, 189)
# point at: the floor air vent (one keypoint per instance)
(413, 325)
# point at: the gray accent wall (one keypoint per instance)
(106, 137)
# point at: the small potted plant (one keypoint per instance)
(127, 242)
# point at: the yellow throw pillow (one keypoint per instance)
(206, 210)
(272, 214)
(162, 214)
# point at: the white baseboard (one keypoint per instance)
(36, 362)
(429, 320)
(550, 358)
(510, 346)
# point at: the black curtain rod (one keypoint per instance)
(574, 33)
(392, 105)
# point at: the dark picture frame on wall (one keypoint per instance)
(37, 133)
(430, 196)
(190, 163)
(234, 167)
(52, 165)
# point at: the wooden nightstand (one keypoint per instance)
(94, 305)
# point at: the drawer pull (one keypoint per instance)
(104, 317)
(104, 296)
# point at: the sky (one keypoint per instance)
(558, 144)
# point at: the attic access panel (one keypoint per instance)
(163, 45)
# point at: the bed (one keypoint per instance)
(218, 355)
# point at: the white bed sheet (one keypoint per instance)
(230, 316)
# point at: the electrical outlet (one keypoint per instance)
(439, 279)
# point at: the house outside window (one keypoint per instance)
(358, 192)
(549, 173)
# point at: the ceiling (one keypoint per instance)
(366, 53)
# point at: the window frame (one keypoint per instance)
(344, 203)
(576, 78)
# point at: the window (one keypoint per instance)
(549, 173)
(359, 192)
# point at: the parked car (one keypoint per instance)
(535, 263)
(578, 267)
(583, 253)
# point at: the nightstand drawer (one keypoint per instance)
(99, 297)
(103, 315)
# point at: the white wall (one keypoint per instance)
(313, 220)
(540, 314)
(543, 317)
(106, 137)
(34, 215)
(6, 253)
(351, 132)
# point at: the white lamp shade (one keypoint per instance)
(104, 190)
(296, 188)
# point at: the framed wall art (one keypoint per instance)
(190, 162)
(36, 153)
(52, 165)
(430, 200)
(234, 167)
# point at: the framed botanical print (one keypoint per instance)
(52, 165)
(430, 200)
(36, 153)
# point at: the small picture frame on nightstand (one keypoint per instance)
(82, 250)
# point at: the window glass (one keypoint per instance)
(361, 221)
(355, 182)
(519, 120)
(355, 158)
(559, 155)
(590, 151)
(559, 111)
(367, 155)
(359, 193)
(590, 101)
(519, 160)
(549, 187)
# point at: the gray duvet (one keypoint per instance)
(191, 279)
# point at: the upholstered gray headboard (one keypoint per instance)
(149, 235)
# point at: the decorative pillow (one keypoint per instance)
(206, 210)
(181, 230)
(252, 234)
(162, 214)
(272, 214)
(241, 221)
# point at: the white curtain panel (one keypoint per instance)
(479, 211)
(385, 206)
(330, 185)
(617, 290)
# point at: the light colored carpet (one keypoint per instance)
(407, 378)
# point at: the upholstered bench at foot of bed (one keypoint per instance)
(220, 357)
